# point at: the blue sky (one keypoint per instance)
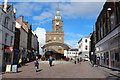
(78, 18)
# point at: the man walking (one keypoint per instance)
(50, 61)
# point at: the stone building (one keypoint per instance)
(108, 35)
(23, 27)
(7, 26)
(34, 44)
(56, 35)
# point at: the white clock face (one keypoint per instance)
(57, 23)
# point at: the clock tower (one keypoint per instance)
(56, 35)
(57, 22)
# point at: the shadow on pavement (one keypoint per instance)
(39, 70)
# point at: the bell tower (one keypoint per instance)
(57, 34)
(57, 21)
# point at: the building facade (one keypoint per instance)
(108, 36)
(92, 54)
(7, 23)
(56, 35)
(23, 27)
(34, 44)
(84, 47)
(71, 53)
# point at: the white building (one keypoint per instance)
(7, 29)
(71, 53)
(84, 47)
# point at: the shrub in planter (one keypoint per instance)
(43, 58)
(67, 59)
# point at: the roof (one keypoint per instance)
(56, 43)
(8, 6)
(73, 50)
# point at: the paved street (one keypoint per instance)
(59, 70)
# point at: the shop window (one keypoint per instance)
(112, 21)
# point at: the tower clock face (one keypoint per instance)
(57, 23)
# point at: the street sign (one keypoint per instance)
(8, 68)
(14, 68)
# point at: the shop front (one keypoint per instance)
(115, 58)
(8, 55)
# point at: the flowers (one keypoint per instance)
(43, 58)
(67, 59)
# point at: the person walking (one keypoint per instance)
(36, 65)
(92, 63)
(75, 60)
(50, 61)
(78, 60)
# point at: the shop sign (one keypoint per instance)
(14, 68)
(8, 49)
(8, 68)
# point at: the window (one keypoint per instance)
(6, 35)
(6, 22)
(86, 47)
(60, 38)
(118, 12)
(50, 38)
(54, 38)
(112, 21)
(12, 27)
(86, 40)
(11, 40)
(1, 18)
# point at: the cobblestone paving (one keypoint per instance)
(59, 70)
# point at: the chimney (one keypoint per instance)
(21, 18)
(14, 10)
(5, 5)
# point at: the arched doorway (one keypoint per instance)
(49, 51)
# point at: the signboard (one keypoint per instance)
(8, 68)
(14, 68)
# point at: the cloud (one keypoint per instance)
(58, 0)
(41, 37)
(27, 9)
(81, 9)
(72, 43)
(73, 34)
(43, 16)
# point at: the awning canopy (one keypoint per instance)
(55, 43)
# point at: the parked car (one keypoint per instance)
(86, 59)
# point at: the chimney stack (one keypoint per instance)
(5, 5)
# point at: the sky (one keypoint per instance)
(78, 18)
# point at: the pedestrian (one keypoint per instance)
(78, 60)
(20, 62)
(92, 63)
(50, 61)
(36, 65)
(75, 61)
